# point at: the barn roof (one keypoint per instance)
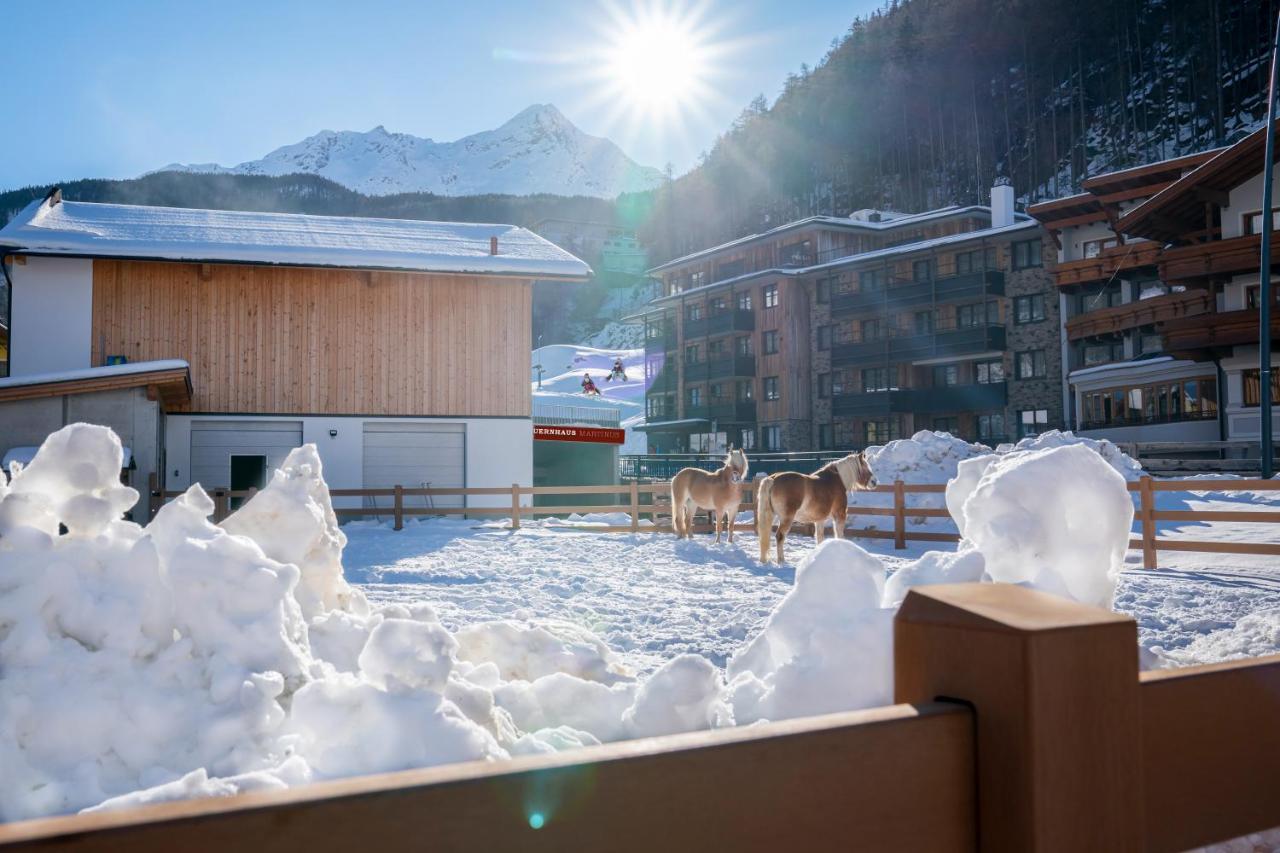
(83, 229)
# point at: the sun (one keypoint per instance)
(656, 59)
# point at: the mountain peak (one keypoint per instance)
(538, 150)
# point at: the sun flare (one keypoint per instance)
(656, 60)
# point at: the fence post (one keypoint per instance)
(399, 507)
(635, 507)
(899, 515)
(515, 506)
(155, 497)
(220, 506)
(1057, 708)
(1148, 507)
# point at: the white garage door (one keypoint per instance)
(416, 455)
(213, 443)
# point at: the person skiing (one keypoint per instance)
(588, 386)
(619, 372)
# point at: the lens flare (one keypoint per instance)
(536, 820)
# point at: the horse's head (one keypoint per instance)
(736, 459)
(856, 473)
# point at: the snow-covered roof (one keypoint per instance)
(850, 260)
(94, 372)
(23, 455)
(889, 224)
(85, 229)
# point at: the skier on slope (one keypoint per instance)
(588, 386)
(619, 372)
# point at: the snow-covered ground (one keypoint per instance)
(563, 367)
(188, 659)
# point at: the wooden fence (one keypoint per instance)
(1022, 724)
(647, 499)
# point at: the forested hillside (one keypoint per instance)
(925, 103)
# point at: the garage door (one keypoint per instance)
(416, 455)
(213, 443)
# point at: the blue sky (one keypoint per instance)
(97, 89)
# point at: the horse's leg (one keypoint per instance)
(819, 531)
(715, 513)
(730, 517)
(784, 527)
(842, 517)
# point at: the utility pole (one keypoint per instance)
(1264, 273)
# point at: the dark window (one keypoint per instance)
(824, 337)
(991, 427)
(771, 391)
(989, 371)
(923, 322)
(946, 374)
(692, 354)
(771, 296)
(745, 346)
(695, 396)
(922, 270)
(825, 437)
(978, 314)
(717, 348)
(771, 437)
(879, 432)
(769, 342)
(876, 379)
(1026, 254)
(719, 392)
(951, 425)
(744, 301)
(1028, 309)
(718, 305)
(871, 281)
(697, 279)
(824, 291)
(1031, 365)
(1101, 353)
(871, 331)
(731, 269)
(693, 312)
(824, 385)
(746, 390)
(975, 261)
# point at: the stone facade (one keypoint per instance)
(1036, 336)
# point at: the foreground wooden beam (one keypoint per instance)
(1054, 688)
(894, 778)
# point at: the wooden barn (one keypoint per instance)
(399, 348)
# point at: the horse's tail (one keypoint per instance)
(764, 515)
(677, 507)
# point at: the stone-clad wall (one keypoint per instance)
(1043, 335)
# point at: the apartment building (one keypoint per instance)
(841, 332)
(1158, 284)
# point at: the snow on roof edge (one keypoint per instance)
(95, 372)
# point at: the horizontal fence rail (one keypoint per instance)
(1022, 723)
(640, 500)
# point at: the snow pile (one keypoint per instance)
(1125, 464)
(1056, 519)
(926, 457)
(1255, 635)
(827, 646)
(963, 566)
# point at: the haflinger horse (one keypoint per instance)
(812, 497)
(721, 492)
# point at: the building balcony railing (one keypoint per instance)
(726, 368)
(661, 338)
(736, 320)
(1107, 263)
(1214, 258)
(733, 411)
(699, 411)
(1141, 313)
(947, 398)
(1215, 329)
(912, 346)
(904, 293)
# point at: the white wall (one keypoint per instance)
(1246, 423)
(1245, 198)
(52, 315)
(499, 451)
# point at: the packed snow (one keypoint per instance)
(188, 659)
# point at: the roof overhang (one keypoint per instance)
(170, 386)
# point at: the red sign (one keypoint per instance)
(599, 435)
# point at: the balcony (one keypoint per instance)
(733, 411)
(909, 346)
(1217, 257)
(1215, 330)
(905, 293)
(719, 323)
(1108, 321)
(947, 398)
(691, 411)
(659, 338)
(1107, 263)
(725, 368)
(666, 380)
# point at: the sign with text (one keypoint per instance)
(599, 435)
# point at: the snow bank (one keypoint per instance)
(1125, 464)
(827, 646)
(964, 566)
(1057, 519)
(926, 457)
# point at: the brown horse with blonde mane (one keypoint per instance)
(812, 497)
(721, 492)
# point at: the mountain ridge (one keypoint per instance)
(538, 150)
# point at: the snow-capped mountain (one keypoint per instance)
(538, 151)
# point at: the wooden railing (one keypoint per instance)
(1023, 724)
(1147, 515)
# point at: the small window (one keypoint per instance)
(719, 305)
(771, 391)
(771, 437)
(871, 281)
(878, 432)
(1253, 222)
(825, 441)
(1031, 365)
(871, 330)
(693, 312)
(1032, 422)
(991, 427)
(876, 379)
(695, 396)
(824, 338)
(923, 322)
(771, 296)
(745, 346)
(697, 279)
(922, 271)
(987, 372)
(824, 291)
(717, 348)
(951, 425)
(744, 301)
(945, 375)
(746, 390)
(692, 354)
(769, 342)
(1027, 254)
(1028, 309)
(824, 385)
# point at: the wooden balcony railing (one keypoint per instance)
(1217, 257)
(1219, 329)
(1144, 312)
(1107, 263)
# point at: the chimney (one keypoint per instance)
(1001, 203)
